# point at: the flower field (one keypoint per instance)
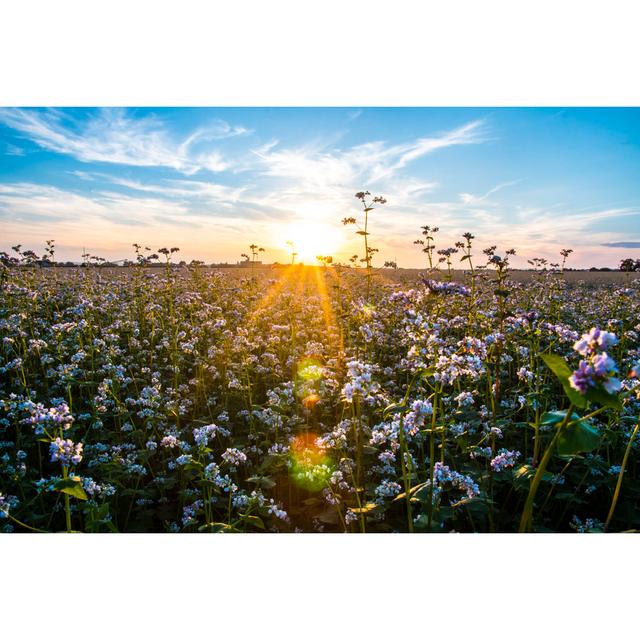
(318, 399)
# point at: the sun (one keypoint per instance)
(311, 239)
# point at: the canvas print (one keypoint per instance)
(339, 320)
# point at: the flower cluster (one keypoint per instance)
(504, 460)
(201, 435)
(49, 417)
(388, 489)
(361, 383)
(234, 456)
(66, 452)
(445, 288)
(443, 476)
(596, 367)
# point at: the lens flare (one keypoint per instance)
(368, 310)
(310, 370)
(311, 466)
(310, 373)
(309, 402)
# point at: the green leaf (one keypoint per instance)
(554, 418)
(328, 516)
(368, 508)
(526, 472)
(395, 407)
(579, 436)
(254, 521)
(598, 395)
(98, 518)
(464, 502)
(362, 233)
(419, 492)
(264, 481)
(71, 486)
(562, 371)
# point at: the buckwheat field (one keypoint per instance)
(333, 398)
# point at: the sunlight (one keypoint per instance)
(311, 239)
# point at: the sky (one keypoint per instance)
(212, 181)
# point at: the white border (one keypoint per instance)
(319, 586)
(335, 52)
(338, 52)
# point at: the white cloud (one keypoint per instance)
(398, 156)
(470, 198)
(108, 222)
(214, 221)
(112, 136)
(13, 150)
(28, 202)
(186, 189)
(318, 181)
(366, 164)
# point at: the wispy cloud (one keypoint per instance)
(398, 156)
(14, 150)
(470, 198)
(190, 189)
(366, 164)
(112, 136)
(623, 245)
(28, 202)
(108, 222)
(318, 180)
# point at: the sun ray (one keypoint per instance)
(270, 295)
(325, 302)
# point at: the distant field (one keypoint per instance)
(411, 275)
(405, 276)
(596, 277)
(300, 398)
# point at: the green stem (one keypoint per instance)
(67, 503)
(616, 493)
(26, 526)
(527, 513)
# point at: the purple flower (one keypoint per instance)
(446, 288)
(234, 456)
(598, 367)
(603, 364)
(504, 460)
(169, 442)
(66, 452)
(582, 378)
(595, 340)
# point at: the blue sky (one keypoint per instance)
(212, 181)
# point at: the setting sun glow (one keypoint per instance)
(310, 239)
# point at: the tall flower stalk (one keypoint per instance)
(369, 251)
